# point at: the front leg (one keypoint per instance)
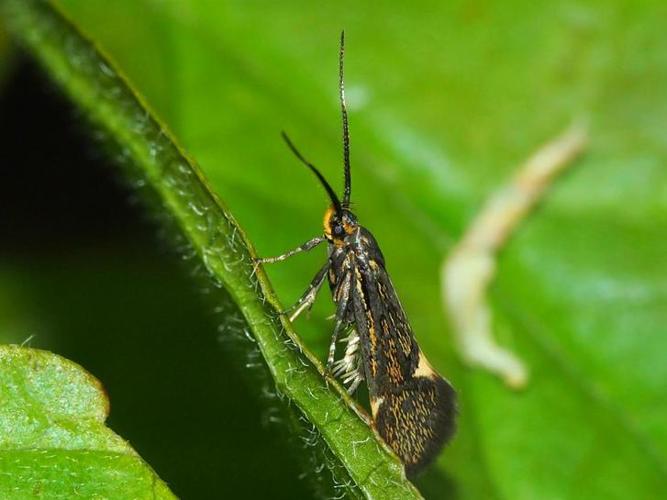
(308, 245)
(308, 298)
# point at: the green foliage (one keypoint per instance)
(445, 100)
(219, 243)
(53, 438)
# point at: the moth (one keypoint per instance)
(413, 408)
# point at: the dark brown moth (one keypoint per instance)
(412, 407)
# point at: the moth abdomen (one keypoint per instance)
(416, 418)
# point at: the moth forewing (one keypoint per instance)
(413, 407)
(416, 419)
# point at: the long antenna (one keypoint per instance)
(327, 187)
(346, 132)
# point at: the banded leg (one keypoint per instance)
(349, 368)
(355, 384)
(308, 298)
(343, 296)
(308, 245)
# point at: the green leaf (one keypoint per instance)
(53, 441)
(445, 100)
(217, 240)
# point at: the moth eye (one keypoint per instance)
(338, 229)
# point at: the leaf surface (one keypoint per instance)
(53, 439)
(361, 463)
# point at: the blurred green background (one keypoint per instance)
(446, 99)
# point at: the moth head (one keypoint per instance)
(339, 225)
(339, 221)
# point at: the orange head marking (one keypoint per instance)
(328, 215)
(337, 226)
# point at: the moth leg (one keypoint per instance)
(343, 293)
(354, 385)
(308, 245)
(349, 367)
(470, 267)
(308, 298)
(348, 363)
